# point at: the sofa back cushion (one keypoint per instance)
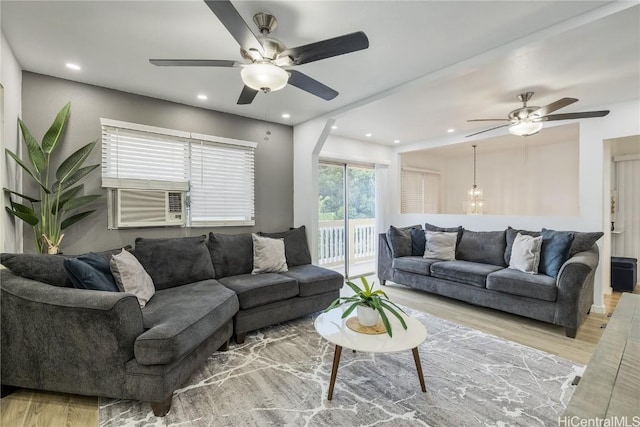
(176, 261)
(231, 254)
(583, 241)
(296, 248)
(486, 247)
(511, 236)
(400, 240)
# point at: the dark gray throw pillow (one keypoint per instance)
(296, 247)
(458, 229)
(231, 254)
(418, 242)
(90, 271)
(176, 261)
(582, 241)
(555, 251)
(486, 247)
(511, 236)
(400, 240)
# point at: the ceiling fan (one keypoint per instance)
(267, 61)
(527, 121)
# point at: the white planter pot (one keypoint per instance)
(367, 316)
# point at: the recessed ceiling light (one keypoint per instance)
(286, 115)
(396, 141)
(74, 67)
(368, 135)
(334, 127)
(202, 97)
(451, 130)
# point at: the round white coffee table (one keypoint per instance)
(334, 329)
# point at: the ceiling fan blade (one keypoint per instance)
(554, 106)
(327, 48)
(487, 130)
(192, 63)
(569, 116)
(247, 95)
(314, 87)
(233, 22)
(488, 120)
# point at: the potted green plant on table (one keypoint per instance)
(371, 306)
(56, 207)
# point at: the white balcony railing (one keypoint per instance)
(362, 241)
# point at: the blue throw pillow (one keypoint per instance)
(555, 251)
(90, 271)
(418, 242)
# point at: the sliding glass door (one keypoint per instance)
(347, 218)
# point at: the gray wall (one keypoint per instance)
(42, 98)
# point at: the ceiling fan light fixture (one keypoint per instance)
(525, 128)
(264, 76)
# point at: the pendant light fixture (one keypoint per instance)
(474, 204)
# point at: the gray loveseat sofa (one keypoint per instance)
(480, 275)
(98, 343)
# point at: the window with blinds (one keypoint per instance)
(419, 191)
(217, 173)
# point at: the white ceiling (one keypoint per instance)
(463, 59)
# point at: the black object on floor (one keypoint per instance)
(624, 274)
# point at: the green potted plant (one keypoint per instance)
(371, 306)
(56, 207)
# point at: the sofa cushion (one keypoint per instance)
(130, 276)
(555, 251)
(440, 245)
(90, 271)
(296, 247)
(458, 229)
(414, 264)
(418, 241)
(179, 319)
(314, 280)
(510, 236)
(400, 240)
(583, 241)
(231, 254)
(268, 255)
(525, 253)
(45, 268)
(516, 282)
(254, 290)
(164, 260)
(486, 247)
(469, 273)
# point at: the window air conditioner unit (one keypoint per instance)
(147, 208)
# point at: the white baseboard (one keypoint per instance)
(599, 309)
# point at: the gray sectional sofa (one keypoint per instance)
(480, 275)
(97, 343)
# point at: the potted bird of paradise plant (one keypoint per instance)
(371, 305)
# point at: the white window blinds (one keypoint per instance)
(420, 191)
(217, 172)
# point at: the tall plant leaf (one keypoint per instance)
(52, 137)
(18, 207)
(27, 169)
(77, 176)
(30, 219)
(66, 196)
(75, 218)
(73, 162)
(36, 155)
(80, 201)
(31, 199)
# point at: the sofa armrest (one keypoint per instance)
(65, 339)
(575, 288)
(385, 259)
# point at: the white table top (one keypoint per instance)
(334, 329)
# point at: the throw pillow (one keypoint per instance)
(268, 255)
(440, 245)
(525, 253)
(458, 229)
(555, 251)
(131, 277)
(231, 254)
(400, 240)
(418, 242)
(511, 236)
(90, 271)
(296, 247)
(583, 241)
(164, 259)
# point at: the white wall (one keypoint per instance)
(11, 80)
(350, 150)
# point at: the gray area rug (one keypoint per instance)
(280, 377)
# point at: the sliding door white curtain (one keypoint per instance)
(627, 217)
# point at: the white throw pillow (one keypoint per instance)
(268, 255)
(130, 276)
(525, 255)
(440, 245)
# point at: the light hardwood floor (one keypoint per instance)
(32, 408)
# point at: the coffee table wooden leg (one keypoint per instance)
(334, 370)
(416, 358)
